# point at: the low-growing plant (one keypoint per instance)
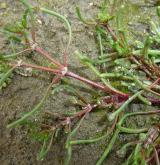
(126, 74)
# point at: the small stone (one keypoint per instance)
(91, 4)
(39, 21)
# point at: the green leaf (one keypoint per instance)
(24, 19)
(5, 76)
(103, 15)
(45, 148)
(84, 59)
(14, 28)
(158, 11)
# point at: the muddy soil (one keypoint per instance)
(16, 148)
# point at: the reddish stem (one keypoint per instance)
(154, 101)
(33, 34)
(94, 84)
(56, 71)
(121, 97)
(115, 38)
(73, 75)
(85, 110)
(47, 55)
(154, 83)
(111, 32)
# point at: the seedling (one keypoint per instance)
(126, 76)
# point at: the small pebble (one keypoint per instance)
(91, 4)
(39, 21)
